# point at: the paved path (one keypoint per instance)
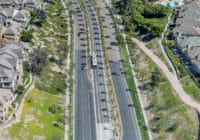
(169, 75)
(18, 110)
(163, 50)
(68, 63)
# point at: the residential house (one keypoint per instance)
(22, 17)
(16, 4)
(9, 16)
(6, 98)
(3, 18)
(11, 73)
(12, 34)
(2, 40)
(21, 49)
(9, 67)
(6, 16)
(31, 3)
(187, 33)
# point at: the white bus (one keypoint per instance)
(94, 59)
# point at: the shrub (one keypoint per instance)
(52, 59)
(26, 36)
(54, 108)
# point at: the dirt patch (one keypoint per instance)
(29, 118)
(56, 68)
(37, 137)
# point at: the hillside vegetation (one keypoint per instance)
(43, 115)
(143, 17)
(168, 117)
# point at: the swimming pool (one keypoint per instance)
(171, 4)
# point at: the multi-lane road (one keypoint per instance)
(98, 73)
(127, 112)
(91, 100)
(84, 122)
(103, 122)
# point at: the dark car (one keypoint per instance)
(84, 68)
(130, 105)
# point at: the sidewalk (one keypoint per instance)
(68, 62)
(19, 108)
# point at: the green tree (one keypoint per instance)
(54, 108)
(26, 36)
(155, 77)
(38, 59)
(155, 11)
(38, 16)
(156, 30)
(20, 89)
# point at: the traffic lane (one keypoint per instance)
(98, 111)
(87, 116)
(78, 101)
(92, 117)
(85, 126)
(102, 85)
(120, 80)
(96, 88)
(83, 101)
(102, 103)
(93, 22)
(129, 102)
(129, 122)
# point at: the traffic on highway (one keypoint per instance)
(84, 122)
(92, 112)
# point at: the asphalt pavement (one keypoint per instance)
(103, 120)
(127, 113)
(84, 123)
(98, 74)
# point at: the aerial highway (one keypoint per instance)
(84, 120)
(91, 100)
(98, 76)
(127, 111)
(98, 71)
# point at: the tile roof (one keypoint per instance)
(187, 30)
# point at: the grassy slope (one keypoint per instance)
(191, 88)
(50, 84)
(170, 116)
(188, 84)
(51, 81)
(36, 105)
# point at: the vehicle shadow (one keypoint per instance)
(199, 126)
